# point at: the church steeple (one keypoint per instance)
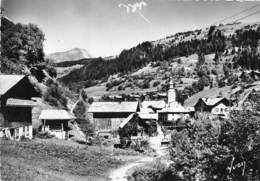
(171, 93)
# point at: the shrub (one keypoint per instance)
(55, 96)
(214, 71)
(120, 88)
(155, 171)
(44, 135)
(86, 126)
(51, 71)
(156, 83)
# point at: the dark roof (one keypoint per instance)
(126, 120)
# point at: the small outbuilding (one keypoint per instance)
(56, 122)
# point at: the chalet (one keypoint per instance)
(16, 106)
(56, 122)
(221, 110)
(208, 104)
(108, 116)
(173, 111)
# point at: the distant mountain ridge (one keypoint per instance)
(70, 55)
(222, 43)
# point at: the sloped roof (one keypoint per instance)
(126, 120)
(112, 107)
(174, 107)
(210, 93)
(154, 104)
(212, 101)
(8, 81)
(56, 114)
(146, 110)
(20, 102)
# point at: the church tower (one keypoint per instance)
(171, 93)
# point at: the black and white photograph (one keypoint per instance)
(130, 90)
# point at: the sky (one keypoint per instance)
(106, 27)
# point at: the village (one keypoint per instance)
(124, 125)
(144, 93)
(121, 121)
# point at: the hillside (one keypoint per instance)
(210, 55)
(57, 160)
(70, 55)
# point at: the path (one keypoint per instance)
(121, 173)
(155, 142)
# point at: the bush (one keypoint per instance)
(156, 83)
(55, 96)
(51, 71)
(44, 135)
(155, 171)
(86, 126)
(214, 71)
(140, 145)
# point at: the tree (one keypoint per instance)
(190, 147)
(213, 149)
(216, 58)
(22, 43)
(55, 96)
(201, 60)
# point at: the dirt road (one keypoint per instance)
(122, 173)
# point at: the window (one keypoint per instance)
(17, 133)
(216, 109)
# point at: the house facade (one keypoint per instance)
(219, 106)
(107, 116)
(56, 122)
(221, 110)
(16, 106)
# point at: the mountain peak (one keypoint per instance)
(69, 55)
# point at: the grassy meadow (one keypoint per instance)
(34, 160)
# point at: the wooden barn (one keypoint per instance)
(56, 122)
(107, 116)
(16, 105)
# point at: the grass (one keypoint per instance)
(41, 161)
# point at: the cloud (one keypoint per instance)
(135, 8)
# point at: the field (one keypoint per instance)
(43, 160)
